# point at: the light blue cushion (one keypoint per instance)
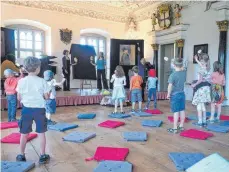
(135, 136)
(9, 166)
(152, 123)
(113, 166)
(78, 137)
(142, 114)
(62, 126)
(224, 123)
(86, 116)
(183, 161)
(119, 115)
(192, 117)
(212, 163)
(218, 128)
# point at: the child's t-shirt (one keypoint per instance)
(217, 78)
(118, 81)
(10, 85)
(177, 79)
(136, 82)
(32, 90)
(152, 82)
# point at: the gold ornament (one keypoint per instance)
(155, 46)
(223, 25)
(180, 43)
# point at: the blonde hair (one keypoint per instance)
(178, 62)
(135, 69)
(119, 72)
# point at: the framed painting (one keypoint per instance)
(203, 47)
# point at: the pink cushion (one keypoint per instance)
(5, 125)
(111, 124)
(170, 118)
(224, 117)
(154, 111)
(109, 153)
(196, 134)
(15, 138)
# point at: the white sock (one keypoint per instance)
(48, 116)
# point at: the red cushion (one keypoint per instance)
(170, 118)
(196, 134)
(5, 125)
(111, 124)
(154, 111)
(110, 153)
(15, 138)
(224, 117)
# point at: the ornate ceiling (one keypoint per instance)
(113, 10)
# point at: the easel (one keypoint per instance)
(84, 83)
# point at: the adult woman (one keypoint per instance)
(101, 68)
(66, 70)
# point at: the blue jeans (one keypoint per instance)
(12, 106)
(136, 95)
(152, 92)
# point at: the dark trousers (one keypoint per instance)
(67, 81)
(101, 77)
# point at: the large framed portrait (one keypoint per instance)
(127, 55)
(203, 47)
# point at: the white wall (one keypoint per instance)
(56, 21)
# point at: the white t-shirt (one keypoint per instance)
(118, 81)
(32, 90)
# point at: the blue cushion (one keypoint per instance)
(119, 115)
(212, 163)
(142, 114)
(152, 123)
(224, 123)
(62, 126)
(78, 137)
(185, 160)
(114, 166)
(86, 116)
(9, 166)
(192, 117)
(208, 114)
(135, 136)
(218, 128)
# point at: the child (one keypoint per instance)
(176, 95)
(11, 94)
(202, 93)
(217, 93)
(51, 102)
(135, 88)
(118, 94)
(32, 92)
(152, 88)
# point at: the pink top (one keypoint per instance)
(11, 85)
(217, 78)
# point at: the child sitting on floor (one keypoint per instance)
(217, 92)
(135, 88)
(51, 102)
(119, 94)
(10, 86)
(32, 92)
(176, 95)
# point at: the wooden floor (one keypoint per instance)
(150, 156)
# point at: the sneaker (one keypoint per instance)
(132, 111)
(44, 159)
(204, 124)
(139, 110)
(50, 122)
(20, 158)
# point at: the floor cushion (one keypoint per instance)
(212, 163)
(142, 114)
(15, 138)
(11, 166)
(152, 123)
(86, 115)
(109, 153)
(111, 124)
(224, 123)
(170, 118)
(62, 126)
(113, 166)
(183, 161)
(5, 125)
(119, 115)
(192, 117)
(154, 111)
(217, 128)
(196, 134)
(224, 117)
(135, 136)
(78, 137)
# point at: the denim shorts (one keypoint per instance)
(28, 115)
(50, 106)
(177, 102)
(136, 95)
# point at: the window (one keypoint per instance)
(28, 42)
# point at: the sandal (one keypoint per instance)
(44, 159)
(20, 158)
(172, 130)
(122, 112)
(181, 128)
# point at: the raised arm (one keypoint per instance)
(196, 58)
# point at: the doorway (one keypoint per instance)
(167, 50)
